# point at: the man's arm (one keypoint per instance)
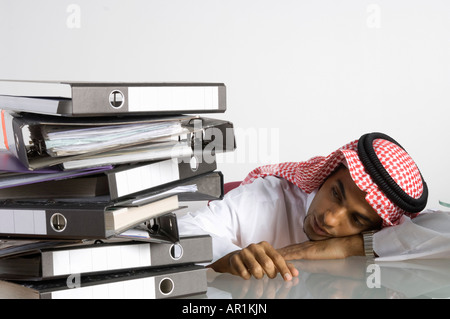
(333, 248)
(262, 259)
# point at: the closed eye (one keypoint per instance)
(335, 193)
(361, 220)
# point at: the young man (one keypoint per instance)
(316, 209)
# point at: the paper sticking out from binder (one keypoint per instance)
(26, 137)
(162, 229)
(174, 191)
(63, 142)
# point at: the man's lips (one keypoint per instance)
(317, 228)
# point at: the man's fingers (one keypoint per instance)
(293, 270)
(251, 257)
(268, 265)
(261, 259)
(273, 262)
(286, 270)
(265, 255)
(238, 267)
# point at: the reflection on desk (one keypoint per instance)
(352, 278)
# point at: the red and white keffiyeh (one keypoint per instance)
(309, 175)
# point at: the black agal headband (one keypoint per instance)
(381, 177)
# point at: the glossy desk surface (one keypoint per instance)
(351, 278)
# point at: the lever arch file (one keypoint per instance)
(112, 256)
(24, 135)
(77, 220)
(137, 284)
(115, 183)
(106, 99)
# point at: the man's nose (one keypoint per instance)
(334, 217)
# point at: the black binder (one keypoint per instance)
(24, 138)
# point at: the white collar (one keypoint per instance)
(309, 199)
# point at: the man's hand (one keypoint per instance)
(256, 260)
(262, 259)
(333, 248)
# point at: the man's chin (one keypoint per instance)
(316, 237)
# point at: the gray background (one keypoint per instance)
(303, 77)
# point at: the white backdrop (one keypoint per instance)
(304, 77)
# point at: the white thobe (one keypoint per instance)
(269, 209)
(272, 209)
(425, 237)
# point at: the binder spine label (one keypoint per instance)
(96, 259)
(16, 221)
(143, 177)
(141, 99)
(143, 288)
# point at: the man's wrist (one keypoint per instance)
(368, 243)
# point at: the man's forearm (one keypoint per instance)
(333, 248)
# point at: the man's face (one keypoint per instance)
(339, 209)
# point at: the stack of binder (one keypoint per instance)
(91, 178)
